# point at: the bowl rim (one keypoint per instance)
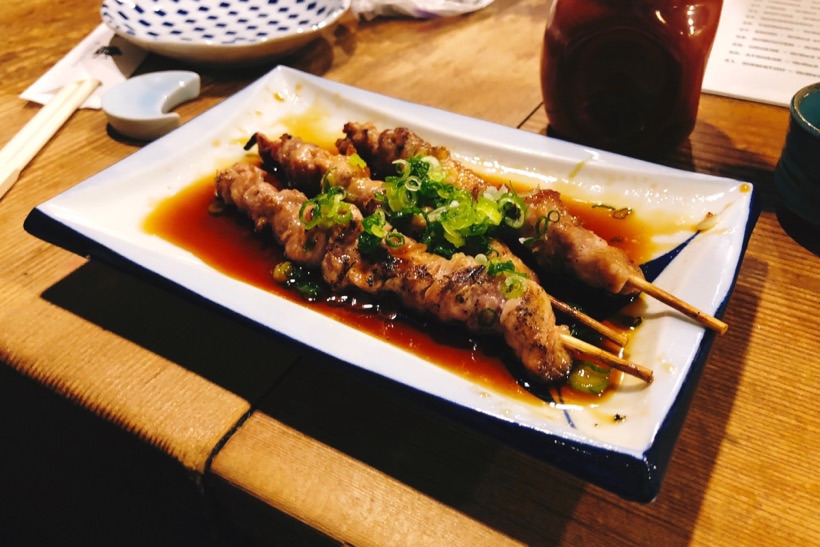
(338, 9)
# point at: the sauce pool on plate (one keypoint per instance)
(228, 243)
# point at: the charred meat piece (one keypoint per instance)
(245, 186)
(305, 166)
(567, 247)
(458, 290)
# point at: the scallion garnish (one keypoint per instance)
(326, 209)
(298, 279)
(587, 377)
(355, 160)
(452, 219)
(394, 239)
(616, 213)
(497, 267)
(542, 225)
(514, 285)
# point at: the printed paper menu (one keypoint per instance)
(765, 50)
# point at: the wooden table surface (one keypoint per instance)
(131, 416)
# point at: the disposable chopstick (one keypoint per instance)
(678, 304)
(22, 148)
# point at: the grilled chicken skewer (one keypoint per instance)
(456, 290)
(557, 239)
(304, 166)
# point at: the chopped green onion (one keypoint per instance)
(375, 223)
(342, 214)
(435, 171)
(413, 184)
(368, 242)
(403, 167)
(399, 198)
(374, 231)
(577, 169)
(326, 209)
(394, 239)
(514, 286)
(542, 225)
(452, 235)
(298, 279)
(448, 218)
(282, 271)
(356, 160)
(513, 209)
(619, 214)
(496, 267)
(308, 289)
(588, 377)
(488, 210)
(328, 180)
(307, 216)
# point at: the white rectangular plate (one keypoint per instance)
(102, 217)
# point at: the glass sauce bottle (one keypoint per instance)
(626, 75)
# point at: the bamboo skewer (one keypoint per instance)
(608, 359)
(608, 332)
(678, 304)
(22, 148)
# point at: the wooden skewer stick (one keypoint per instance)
(610, 333)
(683, 307)
(610, 360)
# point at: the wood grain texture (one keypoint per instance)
(357, 458)
(349, 502)
(483, 65)
(102, 339)
(745, 451)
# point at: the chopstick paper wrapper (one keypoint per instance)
(78, 80)
(423, 9)
(101, 56)
(20, 150)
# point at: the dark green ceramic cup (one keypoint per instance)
(797, 175)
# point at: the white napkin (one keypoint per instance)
(101, 56)
(369, 9)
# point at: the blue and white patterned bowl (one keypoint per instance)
(221, 31)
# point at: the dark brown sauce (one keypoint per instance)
(627, 233)
(228, 243)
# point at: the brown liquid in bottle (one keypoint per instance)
(625, 75)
